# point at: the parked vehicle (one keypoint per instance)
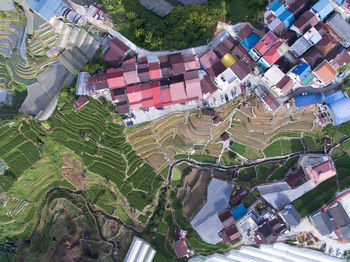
(226, 98)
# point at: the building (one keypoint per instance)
(225, 136)
(227, 219)
(206, 222)
(245, 31)
(139, 251)
(180, 245)
(275, 53)
(322, 222)
(340, 29)
(338, 57)
(48, 9)
(304, 23)
(264, 45)
(271, 102)
(266, 253)
(285, 85)
(325, 72)
(250, 41)
(289, 37)
(300, 46)
(238, 211)
(322, 9)
(240, 69)
(115, 52)
(228, 60)
(313, 57)
(291, 216)
(273, 76)
(209, 59)
(270, 226)
(208, 87)
(321, 172)
(81, 102)
(229, 234)
(327, 43)
(82, 84)
(302, 71)
(296, 178)
(237, 195)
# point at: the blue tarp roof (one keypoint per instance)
(47, 8)
(287, 18)
(239, 211)
(303, 70)
(339, 2)
(250, 41)
(341, 110)
(337, 102)
(323, 8)
(309, 99)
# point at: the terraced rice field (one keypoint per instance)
(21, 70)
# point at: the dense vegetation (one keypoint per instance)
(185, 26)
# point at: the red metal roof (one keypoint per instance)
(192, 62)
(226, 219)
(165, 95)
(193, 89)
(177, 91)
(181, 248)
(115, 78)
(157, 101)
(285, 84)
(272, 55)
(115, 53)
(134, 94)
(154, 71)
(240, 69)
(266, 43)
(81, 101)
(146, 91)
(326, 44)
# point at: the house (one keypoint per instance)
(296, 178)
(340, 29)
(313, 57)
(209, 59)
(165, 66)
(134, 96)
(250, 41)
(326, 44)
(225, 136)
(81, 102)
(322, 28)
(193, 85)
(139, 251)
(177, 91)
(275, 53)
(322, 223)
(302, 71)
(338, 215)
(322, 8)
(226, 219)
(178, 63)
(115, 78)
(98, 82)
(289, 37)
(321, 172)
(229, 234)
(237, 195)
(226, 79)
(273, 23)
(297, 7)
(304, 23)
(221, 49)
(217, 120)
(285, 85)
(245, 31)
(273, 76)
(115, 53)
(216, 69)
(263, 45)
(143, 73)
(284, 64)
(300, 46)
(313, 36)
(180, 245)
(228, 60)
(154, 71)
(240, 69)
(264, 234)
(130, 73)
(338, 57)
(191, 62)
(238, 211)
(230, 42)
(291, 216)
(271, 102)
(325, 72)
(119, 95)
(82, 84)
(208, 87)
(242, 54)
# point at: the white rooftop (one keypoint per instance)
(140, 251)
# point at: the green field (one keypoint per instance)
(229, 158)
(283, 147)
(246, 151)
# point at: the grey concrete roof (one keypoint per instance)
(6, 5)
(206, 221)
(340, 26)
(339, 215)
(323, 223)
(291, 215)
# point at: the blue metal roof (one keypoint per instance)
(287, 18)
(250, 41)
(303, 70)
(47, 8)
(239, 211)
(339, 2)
(309, 99)
(277, 7)
(323, 8)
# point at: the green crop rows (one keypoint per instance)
(101, 144)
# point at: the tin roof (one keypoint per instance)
(326, 44)
(325, 72)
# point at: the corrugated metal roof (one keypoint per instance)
(309, 99)
(340, 109)
(239, 211)
(287, 18)
(323, 8)
(250, 41)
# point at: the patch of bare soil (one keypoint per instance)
(193, 191)
(71, 170)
